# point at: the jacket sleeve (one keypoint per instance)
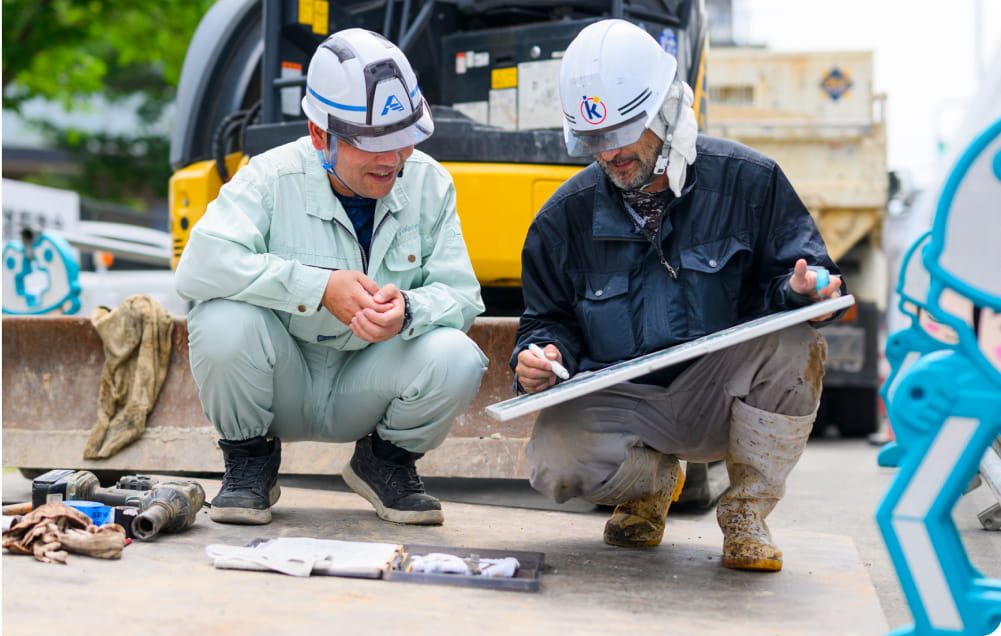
(790, 234)
(227, 253)
(449, 294)
(549, 316)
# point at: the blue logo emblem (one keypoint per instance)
(592, 109)
(392, 104)
(836, 83)
(669, 42)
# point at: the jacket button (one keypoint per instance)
(302, 309)
(712, 263)
(411, 258)
(599, 292)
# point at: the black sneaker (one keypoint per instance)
(391, 483)
(250, 485)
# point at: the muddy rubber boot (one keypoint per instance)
(764, 448)
(640, 522)
(385, 475)
(250, 484)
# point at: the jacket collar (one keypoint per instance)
(320, 199)
(611, 219)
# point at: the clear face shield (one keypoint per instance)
(397, 136)
(586, 143)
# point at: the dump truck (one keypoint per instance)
(816, 113)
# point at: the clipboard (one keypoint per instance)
(591, 381)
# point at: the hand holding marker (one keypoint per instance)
(823, 277)
(555, 366)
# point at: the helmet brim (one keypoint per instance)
(584, 143)
(397, 140)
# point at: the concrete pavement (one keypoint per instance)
(837, 578)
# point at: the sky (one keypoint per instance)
(928, 59)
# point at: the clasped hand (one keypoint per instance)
(372, 313)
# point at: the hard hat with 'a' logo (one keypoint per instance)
(361, 88)
(613, 80)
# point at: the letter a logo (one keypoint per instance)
(391, 104)
(592, 109)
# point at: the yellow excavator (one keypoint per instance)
(489, 69)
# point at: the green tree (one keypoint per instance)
(66, 51)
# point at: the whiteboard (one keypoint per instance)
(591, 381)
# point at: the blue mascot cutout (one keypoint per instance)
(43, 275)
(924, 335)
(947, 406)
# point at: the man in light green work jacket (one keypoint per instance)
(334, 290)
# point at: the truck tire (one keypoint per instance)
(853, 411)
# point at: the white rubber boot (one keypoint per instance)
(764, 447)
(641, 491)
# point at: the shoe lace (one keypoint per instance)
(244, 472)
(404, 478)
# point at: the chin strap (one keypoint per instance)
(328, 165)
(661, 166)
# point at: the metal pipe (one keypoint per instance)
(407, 39)
(271, 60)
(404, 14)
(124, 249)
(387, 21)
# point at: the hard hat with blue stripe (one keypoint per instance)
(361, 88)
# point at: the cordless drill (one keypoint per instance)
(167, 506)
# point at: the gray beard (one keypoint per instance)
(642, 179)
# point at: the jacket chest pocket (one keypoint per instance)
(403, 262)
(711, 275)
(605, 316)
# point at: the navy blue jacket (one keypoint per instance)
(595, 287)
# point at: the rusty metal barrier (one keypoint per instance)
(52, 370)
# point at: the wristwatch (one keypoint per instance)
(407, 316)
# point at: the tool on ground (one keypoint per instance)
(101, 514)
(17, 509)
(171, 506)
(164, 506)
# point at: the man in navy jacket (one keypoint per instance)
(667, 237)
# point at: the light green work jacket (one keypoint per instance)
(276, 230)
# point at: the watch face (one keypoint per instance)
(407, 316)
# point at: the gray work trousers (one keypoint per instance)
(255, 379)
(578, 446)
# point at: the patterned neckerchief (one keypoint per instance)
(649, 207)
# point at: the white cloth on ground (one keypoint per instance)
(441, 563)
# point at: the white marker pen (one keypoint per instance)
(555, 366)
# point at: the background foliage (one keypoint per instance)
(131, 53)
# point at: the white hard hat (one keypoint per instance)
(361, 88)
(613, 79)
